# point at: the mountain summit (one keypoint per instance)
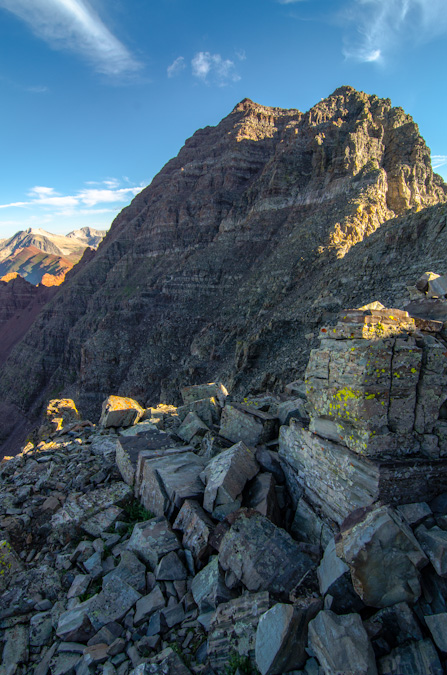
(262, 228)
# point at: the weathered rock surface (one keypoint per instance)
(118, 411)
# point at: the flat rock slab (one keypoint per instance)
(112, 603)
(79, 508)
(383, 555)
(152, 540)
(15, 649)
(196, 526)
(168, 480)
(209, 589)
(119, 411)
(102, 521)
(74, 625)
(281, 637)
(129, 448)
(131, 570)
(137, 429)
(341, 644)
(263, 556)
(244, 423)
(233, 628)
(413, 659)
(196, 392)
(226, 475)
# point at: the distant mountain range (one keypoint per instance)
(41, 257)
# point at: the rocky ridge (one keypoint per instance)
(212, 537)
(243, 246)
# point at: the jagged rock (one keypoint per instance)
(244, 423)
(269, 461)
(207, 410)
(170, 568)
(308, 526)
(208, 587)
(233, 628)
(413, 659)
(437, 625)
(139, 428)
(196, 527)
(102, 521)
(335, 580)
(383, 555)
(15, 649)
(130, 570)
(422, 284)
(166, 481)
(96, 654)
(10, 564)
(59, 414)
(112, 603)
(167, 662)
(271, 559)
(152, 540)
(131, 453)
(173, 615)
(281, 637)
(40, 629)
(341, 644)
(105, 446)
(294, 408)
(149, 604)
(79, 508)
(226, 475)
(79, 586)
(415, 514)
(396, 625)
(192, 426)
(120, 412)
(262, 497)
(434, 544)
(74, 625)
(200, 391)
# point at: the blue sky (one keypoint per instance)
(98, 95)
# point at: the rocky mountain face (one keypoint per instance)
(227, 265)
(41, 257)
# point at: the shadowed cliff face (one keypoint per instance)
(238, 249)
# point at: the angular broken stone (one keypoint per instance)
(209, 589)
(102, 521)
(413, 659)
(131, 570)
(40, 629)
(170, 568)
(226, 475)
(341, 644)
(196, 527)
(262, 497)
(192, 426)
(166, 662)
(437, 625)
(207, 409)
(112, 603)
(196, 392)
(263, 556)
(15, 648)
(294, 408)
(74, 625)
(335, 579)
(151, 443)
(139, 428)
(396, 624)
(415, 513)
(233, 628)
(281, 637)
(10, 564)
(118, 411)
(434, 544)
(148, 604)
(383, 555)
(152, 540)
(79, 585)
(247, 424)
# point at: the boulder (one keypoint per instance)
(233, 628)
(196, 392)
(247, 424)
(196, 527)
(334, 579)
(413, 659)
(434, 544)
(437, 625)
(341, 644)
(152, 443)
(207, 409)
(60, 413)
(262, 556)
(112, 603)
(118, 411)
(149, 604)
(170, 568)
(131, 570)
(394, 626)
(281, 637)
(383, 555)
(74, 625)
(166, 662)
(262, 497)
(152, 540)
(15, 649)
(226, 475)
(208, 587)
(191, 427)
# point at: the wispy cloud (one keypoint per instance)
(74, 25)
(375, 28)
(438, 160)
(289, 2)
(176, 66)
(212, 68)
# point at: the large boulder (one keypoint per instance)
(119, 411)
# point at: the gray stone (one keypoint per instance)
(102, 521)
(383, 555)
(262, 497)
(79, 585)
(396, 625)
(244, 423)
(74, 625)
(165, 482)
(166, 662)
(334, 579)
(43, 665)
(208, 587)
(15, 649)
(154, 625)
(281, 637)
(196, 392)
(120, 412)
(341, 644)
(152, 540)
(416, 513)
(192, 426)
(233, 628)
(153, 443)
(434, 544)
(105, 447)
(112, 603)
(139, 428)
(93, 565)
(131, 570)
(10, 564)
(149, 604)
(413, 659)
(437, 625)
(173, 615)
(293, 408)
(170, 568)
(64, 663)
(270, 461)
(207, 409)
(196, 527)
(226, 475)
(437, 286)
(271, 559)
(40, 629)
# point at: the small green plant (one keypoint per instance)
(242, 663)
(91, 591)
(178, 650)
(136, 513)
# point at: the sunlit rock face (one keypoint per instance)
(226, 266)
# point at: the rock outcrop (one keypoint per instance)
(227, 265)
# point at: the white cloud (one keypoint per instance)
(212, 67)
(289, 2)
(176, 66)
(377, 27)
(438, 160)
(73, 25)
